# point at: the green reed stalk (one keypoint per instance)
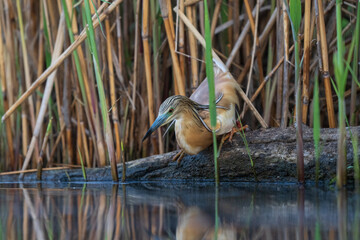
(242, 134)
(101, 92)
(47, 41)
(295, 21)
(340, 77)
(354, 82)
(82, 165)
(340, 88)
(75, 56)
(211, 83)
(316, 130)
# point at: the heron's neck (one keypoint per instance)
(189, 117)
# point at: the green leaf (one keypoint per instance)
(295, 14)
(82, 165)
(211, 83)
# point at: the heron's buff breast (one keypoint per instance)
(193, 138)
(190, 137)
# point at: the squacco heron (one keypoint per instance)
(192, 118)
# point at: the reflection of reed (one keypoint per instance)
(301, 211)
(38, 228)
(110, 219)
(342, 214)
(113, 213)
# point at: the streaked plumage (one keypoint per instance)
(192, 118)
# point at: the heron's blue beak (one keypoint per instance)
(159, 121)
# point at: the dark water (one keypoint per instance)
(176, 211)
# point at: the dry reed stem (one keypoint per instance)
(222, 27)
(225, 58)
(41, 57)
(46, 15)
(279, 55)
(57, 141)
(267, 78)
(215, 17)
(189, 3)
(319, 11)
(114, 109)
(254, 29)
(79, 120)
(262, 38)
(25, 132)
(181, 33)
(61, 118)
(120, 45)
(177, 84)
(285, 88)
(149, 86)
(267, 29)
(31, 109)
(34, 170)
(135, 76)
(2, 63)
(79, 149)
(240, 40)
(221, 65)
(237, 44)
(41, 155)
(236, 32)
(230, 44)
(108, 137)
(170, 17)
(306, 65)
(66, 109)
(253, 26)
(193, 51)
(91, 109)
(9, 138)
(166, 17)
(8, 127)
(9, 53)
(61, 58)
(47, 93)
(156, 72)
(88, 160)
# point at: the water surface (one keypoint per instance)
(174, 210)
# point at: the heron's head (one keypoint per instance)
(170, 110)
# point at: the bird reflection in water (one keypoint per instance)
(194, 224)
(178, 211)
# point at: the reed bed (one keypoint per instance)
(104, 84)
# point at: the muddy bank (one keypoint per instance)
(273, 152)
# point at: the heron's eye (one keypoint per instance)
(171, 110)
